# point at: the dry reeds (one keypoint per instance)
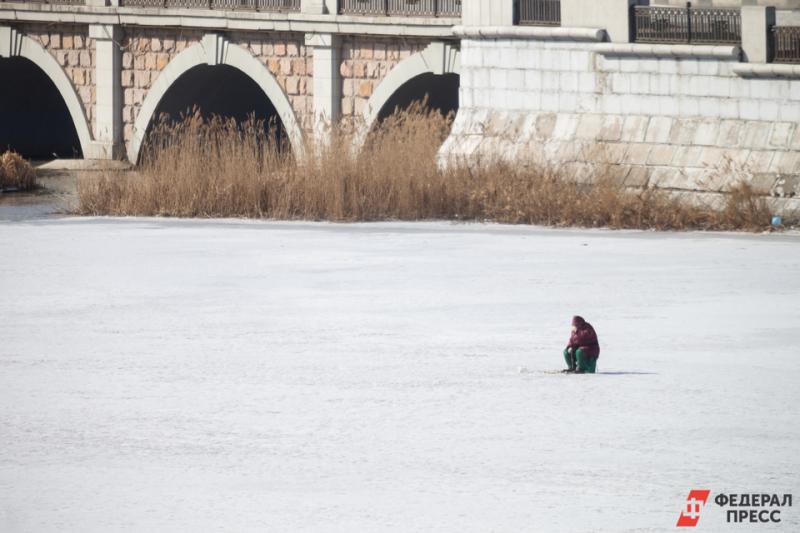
(217, 168)
(16, 173)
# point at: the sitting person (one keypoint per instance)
(583, 349)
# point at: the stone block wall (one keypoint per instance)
(687, 123)
(74, 50)
(291, 62)
(365, 62)
(145, 53)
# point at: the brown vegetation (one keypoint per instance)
(215, 168)
(16, 173)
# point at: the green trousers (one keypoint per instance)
(580, 361)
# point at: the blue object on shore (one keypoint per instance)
(777, 221)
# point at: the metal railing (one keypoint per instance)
(251, 5)
(448, 8)
(539, 12)
(363, 7)
(407, 8)
(786, 44)
(424, 8)
(687, 25)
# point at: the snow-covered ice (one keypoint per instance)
(163, 375)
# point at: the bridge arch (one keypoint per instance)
(14, 44)
(436, 59)
(216, 50)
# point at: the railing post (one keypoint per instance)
(756, 26)
(614, 16)
(689, 22)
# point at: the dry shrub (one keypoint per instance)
(744, 209)
(216, 168)
(16, 172)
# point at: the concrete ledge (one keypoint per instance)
(730, 53)
(534, 33)
(84, 164)
(772, 70)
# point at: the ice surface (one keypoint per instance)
(161, 375)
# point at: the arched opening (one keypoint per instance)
(441, 92)
(34, 119)
(219, 90)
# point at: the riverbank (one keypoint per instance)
(56, 193)
(221, 169)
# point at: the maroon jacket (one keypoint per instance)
(584, 337)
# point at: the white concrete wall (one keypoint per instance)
(487, 12)
(682, 122)
(610, 15)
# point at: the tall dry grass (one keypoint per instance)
(216, 168)
(16, 173)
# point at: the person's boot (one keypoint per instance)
(571, 363)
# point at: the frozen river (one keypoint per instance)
(162, 375)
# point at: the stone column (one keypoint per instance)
(487, 12)
(108, 87)
(327, 80)
(332, 7)
(312, 7)
(317, 7)
(756, 22)
(610, 15)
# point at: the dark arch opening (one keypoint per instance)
(218, 90)
(441, 92)
(34, 119)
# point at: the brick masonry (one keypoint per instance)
(687, 124)
(145, 53)
(365, 62)
(75, 52)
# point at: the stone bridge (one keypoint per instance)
(88, 79)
